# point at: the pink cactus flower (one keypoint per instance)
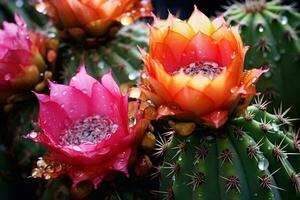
(20, 58)
(85, 127)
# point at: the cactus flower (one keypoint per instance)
(87, 18)
(20, 58)
(85, 127)
(196, 66)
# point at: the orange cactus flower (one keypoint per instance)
(89, 18)
(197, 65)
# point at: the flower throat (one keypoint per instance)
(90, 130)
(208, 69)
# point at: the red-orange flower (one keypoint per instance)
(197, 65)
(81, 18)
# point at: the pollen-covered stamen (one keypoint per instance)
(208, 69)
(90, 130)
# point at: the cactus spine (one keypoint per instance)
(272, 31)
(255, 156)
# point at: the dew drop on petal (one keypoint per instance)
(33, 134)
(7, 77)
(77, 148)
(263, 164)
(64, 93)
(127, 19)
(103, 150)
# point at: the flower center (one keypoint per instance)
(208, 69)
(90, 130)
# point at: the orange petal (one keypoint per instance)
(199, 82)
(216, 119)
(83, 13)
(177, 43)
(194, 101)
(200, 48)
(182, 28)
(164, 55)
(218, 22)
(159, 89)
(200, 22)
(249, 80)
(220, 88)
(65, 13)
(178, 81)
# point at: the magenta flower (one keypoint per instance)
(20, 58)
(85, 127)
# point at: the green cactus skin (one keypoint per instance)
(255, 156)
(33, 18)
(120, 53)
(272, 32)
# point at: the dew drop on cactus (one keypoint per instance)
(270, 28)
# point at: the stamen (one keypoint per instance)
(208, 69)
(90, 130)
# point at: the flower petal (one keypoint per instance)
(200, 22)
(52, 118)
(110, 84)
(194, 101)
(75, 103)
(83, 82)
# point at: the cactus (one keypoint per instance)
(119, 53)
(255, 156)
(33, 18)
(272, 31)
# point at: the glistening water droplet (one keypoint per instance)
(260, 28)
(284, 20)
(263, 164)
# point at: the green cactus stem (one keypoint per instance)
(254, 156)
(271, 29)
(119, 53)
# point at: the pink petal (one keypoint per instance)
(83, 82)
(103, 103)
(73, 101)
(52, 118)
(110, 84)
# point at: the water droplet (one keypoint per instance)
(64, 93)
(267, 74)
(7, 77)
(41, 7)
(134, 75)
(62, 105)
(104, 150)
(144, 76)
(55, 94)
(33, 134)
(260, 28)
(263, 164)
(19, 3)
(277, 58)
(77, 148)
(284, 20)
(100, 65)
(127, 19)
(132, 121)
(209, 138)
(84, 91)
(255, 195)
